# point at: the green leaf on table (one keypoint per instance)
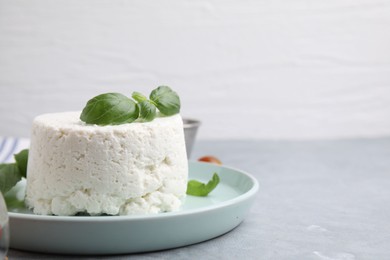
(197, 188)
(147, 110)
(166, 100)
(21, 159)
(110, 109)
(9, 176)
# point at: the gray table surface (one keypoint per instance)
(327, 200)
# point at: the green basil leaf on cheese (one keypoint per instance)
(138, 96)
(110, 109)
(21, 159)
(197, 188)
(147, 110)
(166, 100)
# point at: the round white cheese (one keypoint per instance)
(135, 168)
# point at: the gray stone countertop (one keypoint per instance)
(325, 200)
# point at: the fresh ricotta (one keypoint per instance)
(136, 168)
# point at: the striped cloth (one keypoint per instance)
(11, 145)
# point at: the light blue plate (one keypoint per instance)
(199, 219)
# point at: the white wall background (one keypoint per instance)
(277, 69)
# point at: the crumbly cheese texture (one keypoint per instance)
(137, 168)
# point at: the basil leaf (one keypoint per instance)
(196, 188)
(166, 100)
(110, 109)
(138, 96)
(14, 203)
(14, 199)
(21, 161)
(147, 110)
(9, 176)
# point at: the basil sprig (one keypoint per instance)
(197, 188)
(110, 109)
(116, 109)
(147, 110)
(146, 107)
(166, 100)
(12, 173)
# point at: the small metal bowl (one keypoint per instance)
(190, 129)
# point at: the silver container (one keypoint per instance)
(190, 129)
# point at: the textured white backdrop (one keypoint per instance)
(259, 69)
